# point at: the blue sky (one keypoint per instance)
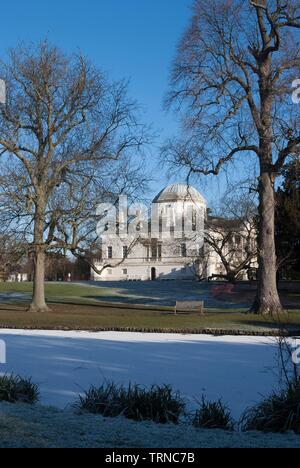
(133, 39)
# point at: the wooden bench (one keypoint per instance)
(184, 306)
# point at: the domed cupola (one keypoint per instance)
(180, 193)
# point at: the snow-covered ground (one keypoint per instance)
(27, 426)
(237, 369)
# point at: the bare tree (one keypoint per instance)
(232, 236)
(232, 80)
(71, 216)
(74, 216)
(199, 264)
(230, 240)
(288, 221)
(62, 117)
(13, 254)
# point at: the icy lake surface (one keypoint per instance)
(237, 369)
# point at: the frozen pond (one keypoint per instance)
(237, 369)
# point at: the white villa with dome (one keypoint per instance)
(168, 252)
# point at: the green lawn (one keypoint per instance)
(88, 317)
(76, 306)
(56, 292)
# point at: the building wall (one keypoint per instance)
(18, 278)
(170, 263)
(144, 272)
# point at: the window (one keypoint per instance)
(183, 250)
(160, 224)
(109, 252)
(154, 251)
(159, 251)
(109, 272)
(125, 251)
(124, 271)
(194, 220)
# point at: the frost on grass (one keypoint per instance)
(37, 426)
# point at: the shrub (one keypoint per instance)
(17, 389)
(213, 415)
(158, 403)
(280, 412)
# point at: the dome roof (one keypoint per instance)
(179, 192)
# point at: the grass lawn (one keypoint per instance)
(56, 292)
(27, 426)
(87, 317)
(75, 306)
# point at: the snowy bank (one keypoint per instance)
(36, 426)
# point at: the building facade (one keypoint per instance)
(172, 246)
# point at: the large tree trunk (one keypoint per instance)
(267, 299)
(38, 303)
